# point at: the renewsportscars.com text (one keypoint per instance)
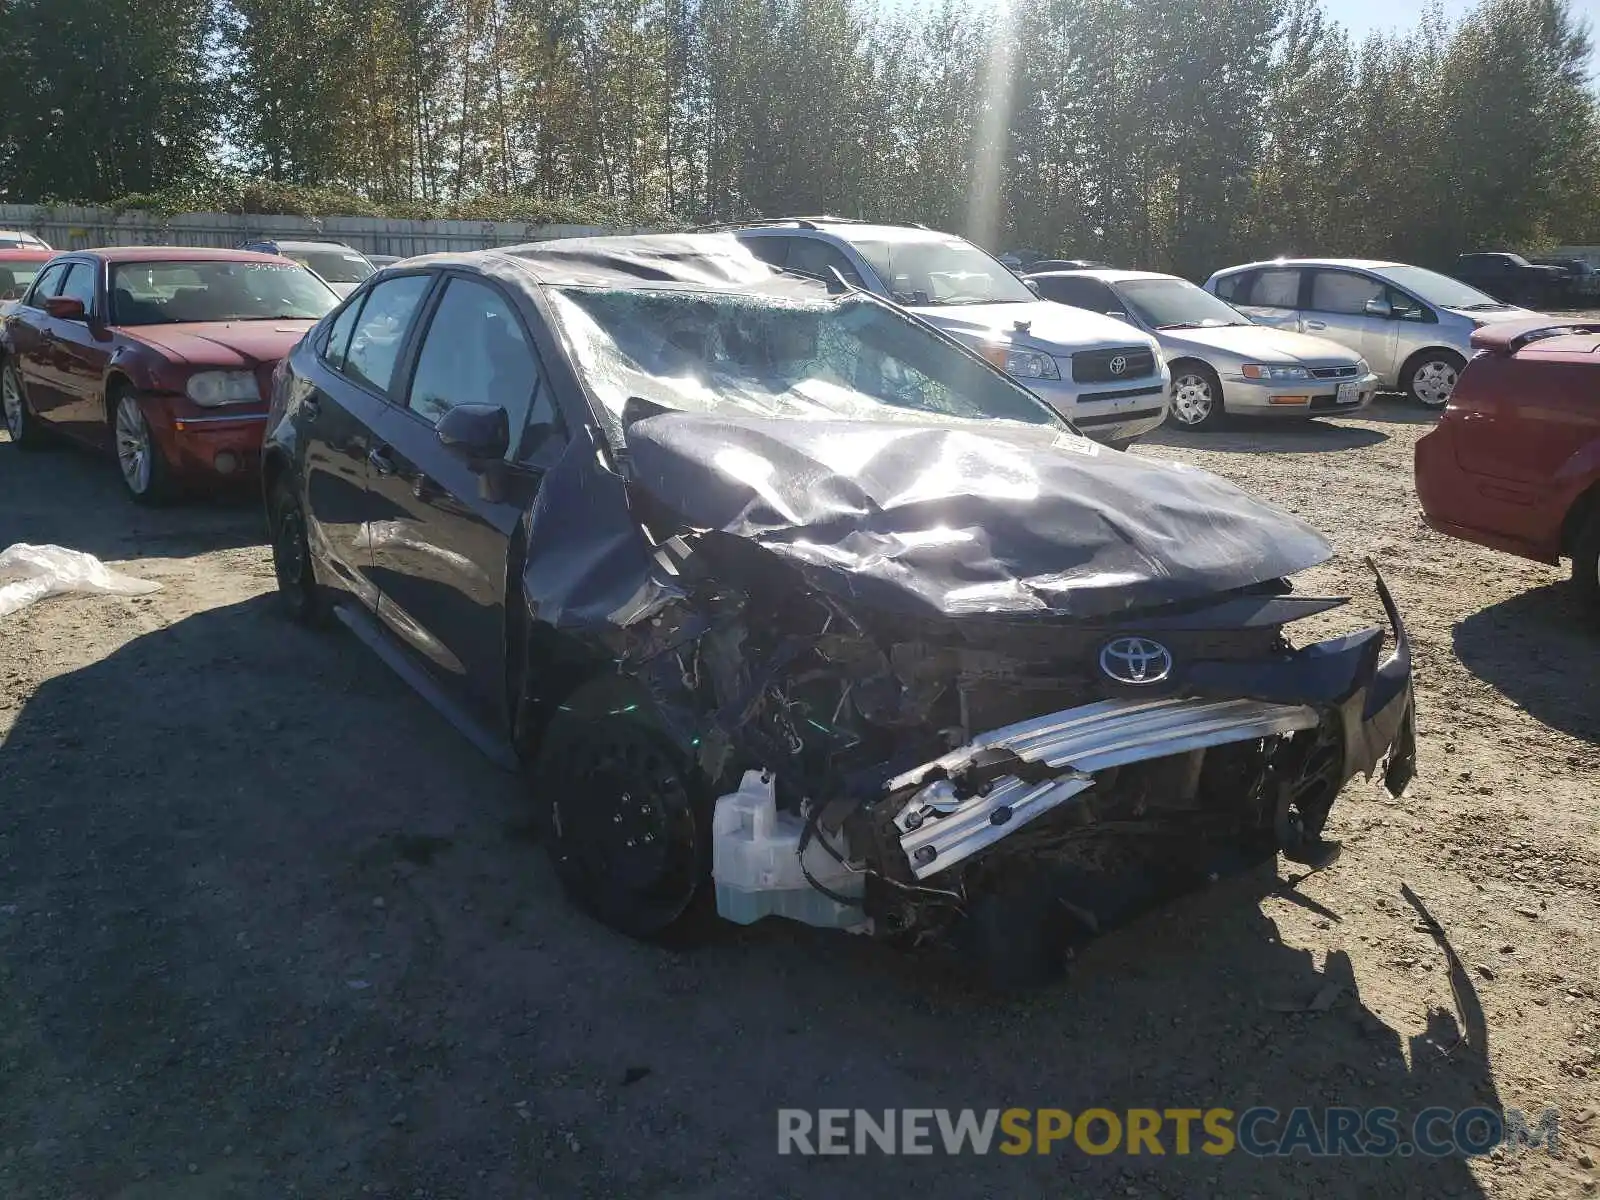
(1259, 1131)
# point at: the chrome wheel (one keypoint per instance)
(11, 400)
(1192, 399)
(1433, 382)
(134, 449)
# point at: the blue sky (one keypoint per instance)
(1361, 17)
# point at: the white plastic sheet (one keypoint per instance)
(30, 573)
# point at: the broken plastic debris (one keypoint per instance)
(28, 574)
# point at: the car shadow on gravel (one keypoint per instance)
(1261, 435)
(267, 927)
(1538, 649)
(102, 520)
(1395, 409)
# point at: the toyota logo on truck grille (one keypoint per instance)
(1135, 660)
(1118, 365)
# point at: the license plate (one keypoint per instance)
(1349, 393)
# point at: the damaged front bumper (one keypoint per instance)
(965, 801)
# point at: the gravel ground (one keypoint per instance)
(269, 928)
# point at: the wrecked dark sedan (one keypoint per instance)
(788, 604)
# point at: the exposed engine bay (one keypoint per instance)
(953, 766)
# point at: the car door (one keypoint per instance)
(440, 550)
(357, 362)
(1270, 296)
(32, 350)
(1352, 309)
(81, 349)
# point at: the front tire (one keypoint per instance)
(291, 557)
(20, 423)
(1196, 397)
(1430, 379)
(144, 471)
(624, 815)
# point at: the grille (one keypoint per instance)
(1094, 366)
(1126, 394)
(1138, 414)
(1333, 372)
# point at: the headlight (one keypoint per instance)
(212, 388)
(1273, 373)
(1363, 369)
(1028, 364)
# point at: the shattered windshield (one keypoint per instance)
(852, 359)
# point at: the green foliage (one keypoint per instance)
(1176, 134)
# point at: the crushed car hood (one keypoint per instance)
(951, 519)
(1252, 342)
(222, 343)
(1051, 326)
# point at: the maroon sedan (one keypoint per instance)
(1515, 462)
(161, 354)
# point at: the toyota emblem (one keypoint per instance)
(1135, 660)
(1118, 365)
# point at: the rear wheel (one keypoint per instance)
(1586, 564)
(291, 556)
(20, 423)
(624, 815)
(1431, 378)
(1196, 397)
(144, 470)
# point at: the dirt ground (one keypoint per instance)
(269, 928)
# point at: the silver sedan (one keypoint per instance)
(1413, 325)
(1220, 360)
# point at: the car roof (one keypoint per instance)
(845, 229)
(1360, 264)
(1104, 274)
(25, 254)
(127, 254)
(687, 261)
(286, 244)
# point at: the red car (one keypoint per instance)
(163, 355)
(1515, 462)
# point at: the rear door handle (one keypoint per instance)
(378, 458)
(1316, 324)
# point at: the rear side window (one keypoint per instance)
(47, 283)
(337, 340)
(1274, 289)
(380, 331)
(475, 352)
(1344, 292)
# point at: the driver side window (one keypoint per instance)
(46, 285)
(808, 256)
(1344, 293)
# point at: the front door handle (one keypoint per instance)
(312, 408)
(1316, 324)
(378, 459)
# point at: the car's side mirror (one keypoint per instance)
(477, 433)
(65, 308)
(1033, 286)
(1380, 308)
